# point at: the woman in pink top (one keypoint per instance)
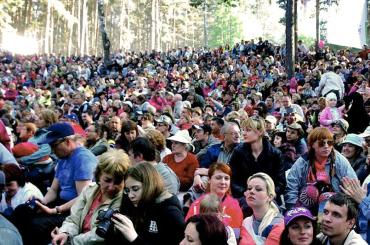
(219, 175)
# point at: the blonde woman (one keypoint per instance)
(255, 154)
(266, 224)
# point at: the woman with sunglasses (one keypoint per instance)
(148, 213)
(317, 174)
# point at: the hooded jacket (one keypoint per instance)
(160, 222)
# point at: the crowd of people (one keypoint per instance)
(188, 146)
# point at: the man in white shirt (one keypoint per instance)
(331, 82)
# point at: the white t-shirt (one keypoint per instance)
(24, 193)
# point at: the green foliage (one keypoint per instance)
(225, 29)
(308, 41)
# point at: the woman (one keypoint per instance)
(255, 155)
(266, 224)
(148, 213)
(219, 176)
(17, 190)
(352, 149)
(205, 229)
(129, 132)
(80, 226)
(182, 162)
(317, 174)
(45, 119)
(300, 228)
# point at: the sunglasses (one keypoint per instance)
(322, 143)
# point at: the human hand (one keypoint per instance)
(125, 226)
(198, 183)
(352, 188)
(45, 209)
(58, 238)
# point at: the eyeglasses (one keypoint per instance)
(135, 188)
(322, 143)
(234, 133)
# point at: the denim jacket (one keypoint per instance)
(297, 177)
(364, 216)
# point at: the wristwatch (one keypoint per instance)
(57, 208)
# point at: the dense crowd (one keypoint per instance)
(188, 146)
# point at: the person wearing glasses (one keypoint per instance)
(149, 214)
(74, 171)
(255, 155)
(80, 226)
(316, 175)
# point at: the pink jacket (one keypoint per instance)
(326, 117)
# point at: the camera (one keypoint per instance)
(105, 222)
(31, 204)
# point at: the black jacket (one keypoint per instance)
(161, 222)
(243, 165)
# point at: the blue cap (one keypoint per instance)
(57, 131)
(71, 116)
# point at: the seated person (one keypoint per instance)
(80, 226)
(17, 190)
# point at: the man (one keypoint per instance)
(142, 150)
(222, 152)
(294, 136)
(331, 82)
(216, 125)
(270, 125)
(114, 130)
(270, 104)
(289, 108)
(338, 221)
(87, 118)
(163, 125)
(74, 171)
(340, 128)
(94, 139)
(203, 139)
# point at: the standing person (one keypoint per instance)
(317, 174)
(331, 82)
(148, 213)
(266, 224)
(255, 155)
(74, 172)
(300, 228)
(339, 220)
(205, 229)
(182, 162)
(356, 111)
(80, 226)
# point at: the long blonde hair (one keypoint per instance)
(273, 210)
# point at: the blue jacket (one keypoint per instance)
(364, 216)
(211, 155)
(297, 177)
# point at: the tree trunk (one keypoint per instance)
(290, 38)
(105, 39)
(317, 25)
(205, 41)
(47, 28)
(295, 24)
